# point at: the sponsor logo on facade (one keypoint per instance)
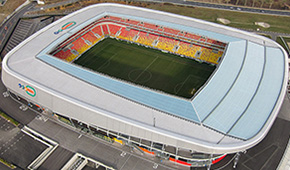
(65, 26)
(28, 89)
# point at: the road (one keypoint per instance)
(224, 7)
(10, 25)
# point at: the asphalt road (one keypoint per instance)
(114, 155)
(16, 147)
(224, 7)
(10, 24)
(195, 3)
(57, 159)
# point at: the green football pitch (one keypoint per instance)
(147, 67)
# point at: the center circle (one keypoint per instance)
(139, 76)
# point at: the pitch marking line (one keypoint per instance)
(107, 62)
(146, 68)
(183, 83)
(92, 52)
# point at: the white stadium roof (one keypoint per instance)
(233, 111)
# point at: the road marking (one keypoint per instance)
(146, 68)
(126, 160)
(155, 166)
(123, 154)
(3, 125)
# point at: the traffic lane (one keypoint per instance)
(5, 125)
(226, 7)
(57, 159)
(17, 147)
(7, 28)
(21, 150)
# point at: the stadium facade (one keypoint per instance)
(230, 113)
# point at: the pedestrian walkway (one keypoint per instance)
(285, 161)
(121, 157)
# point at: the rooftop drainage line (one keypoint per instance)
(246, 50)
(196, 114)
(254, 95)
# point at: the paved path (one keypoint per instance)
(54, 5)
(193, 3)
(115, 155)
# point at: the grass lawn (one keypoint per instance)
(265, 35)
(8, 118)
(238, 19)
(147, 67)
(286, 40)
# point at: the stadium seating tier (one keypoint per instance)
(160, 37)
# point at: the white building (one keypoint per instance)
(231, 113)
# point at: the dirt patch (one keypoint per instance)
(9, 7)
(263, 24)
(223, 20)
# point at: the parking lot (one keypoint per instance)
(16, 147)
(119, 157)
(57, 159)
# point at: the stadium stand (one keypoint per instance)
(65, 55)
(166, 44)
(132, 34)
(113, 29)
(124, 34)
(105, 29)
(160, 37)
(187, 49)
(146, 38)
(97, 30)
(170, 32)
(191, 36)
(79, 45)
(151, 27)
(132, 22)
(90, 37)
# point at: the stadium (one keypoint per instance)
(179, 88)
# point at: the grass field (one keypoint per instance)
(242, 20)
(238, 19)
(284, 43)
(147, 67)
